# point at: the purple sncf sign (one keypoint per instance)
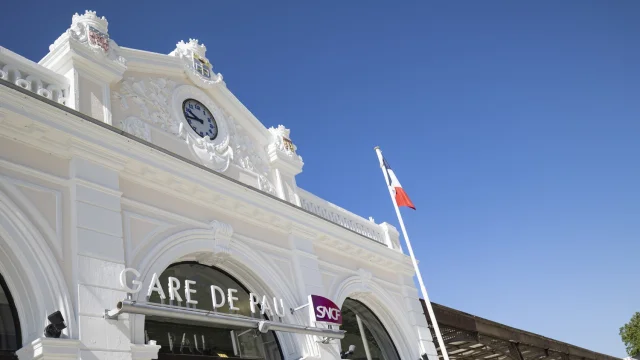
(324, 310)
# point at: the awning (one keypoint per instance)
(210, 317)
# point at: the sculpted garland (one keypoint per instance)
(152, 100)
(136, 127)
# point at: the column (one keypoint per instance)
(286, 164)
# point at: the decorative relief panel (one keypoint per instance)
(136, 127)
(152, 98)
(159, 101)
(249, 157)
(222, 234)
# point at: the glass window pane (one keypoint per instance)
(180, 339)
(377, 338)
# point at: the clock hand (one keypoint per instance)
(195, 117)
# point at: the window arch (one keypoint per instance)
(10, 337)
(182, 340)
(366, 332)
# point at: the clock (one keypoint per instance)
(200, 118)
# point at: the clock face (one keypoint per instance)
(200, 118)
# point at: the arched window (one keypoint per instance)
(182, 340)
(10, 339)
(365, 331)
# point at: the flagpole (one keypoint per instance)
(432, 315)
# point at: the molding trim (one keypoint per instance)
(144, 352)
(50, 349)
(32, 273)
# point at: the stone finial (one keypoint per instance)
(280, 131)
(194, 46)
(281, 140)
(90, 18)
(196, 64)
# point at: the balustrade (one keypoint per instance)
(340, 216)
(33, 77)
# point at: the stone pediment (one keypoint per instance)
(148, 102)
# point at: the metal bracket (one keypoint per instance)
(299, 307)
(109, 316)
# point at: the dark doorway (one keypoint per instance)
(10, 339)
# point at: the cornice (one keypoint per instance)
(84, 149)
(68, 53)
(292, 165)
(238, 110)
(150, 62)
(258, 126)
(176, 176)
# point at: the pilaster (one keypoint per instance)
(90, 61)
(97, 248)
(286, 164)
(309, 280)
(417, 317)
(391, 236)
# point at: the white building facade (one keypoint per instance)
(120, 165)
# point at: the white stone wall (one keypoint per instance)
(80, 201)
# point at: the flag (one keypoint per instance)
(402, 199)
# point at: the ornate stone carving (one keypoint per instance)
(222, 234)
(196, 65)
(217, 157)
(281, 141)
(365, 279)
(160, 104)
(136, 127)
(246, 156)
(212, 259)
(360, 295)
(152, 99)
(92, 31)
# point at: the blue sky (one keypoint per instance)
(513, 126)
